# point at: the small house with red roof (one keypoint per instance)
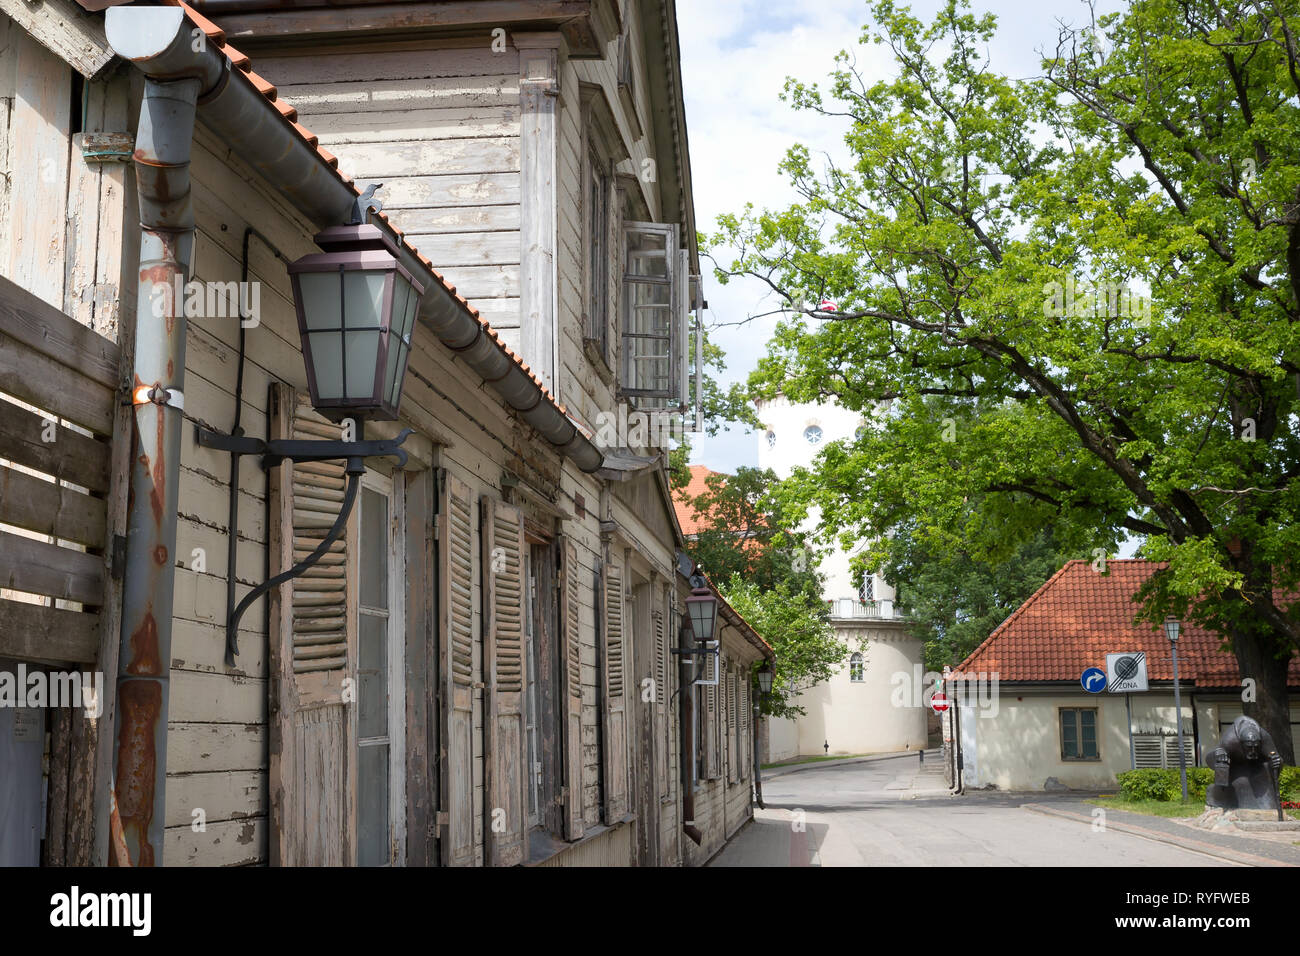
(1025, 720)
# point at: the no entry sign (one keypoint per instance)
(939, 703)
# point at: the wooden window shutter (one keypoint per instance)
(571, 656)
(310, 727)
(616, 763)
(745, 743)
(666, 691)
(733, 725)
(456, 650)
(711, 730)
(505, 760)
(661, 690)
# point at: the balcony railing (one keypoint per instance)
(877, 610)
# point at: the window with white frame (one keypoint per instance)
(656, 326)
(381, 758)
(855, 668)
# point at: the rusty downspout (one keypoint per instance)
(162, 159)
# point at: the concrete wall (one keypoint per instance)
(1017, 745)
(865, 717)
(781, 739)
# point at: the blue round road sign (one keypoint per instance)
(1093, 680)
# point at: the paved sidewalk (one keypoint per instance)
(933, 760)
(1246, 850)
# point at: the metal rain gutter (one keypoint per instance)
(233, 108)
(162, 159)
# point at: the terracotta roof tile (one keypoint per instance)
(1080, 615)
(238, 60)
(307, 134)
(261, 85)
(210, 29)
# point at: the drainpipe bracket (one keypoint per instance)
(156, 395)
(219, 87)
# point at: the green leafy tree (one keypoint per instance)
(795, 623)
(1080, 292)
(954, 599)
(747, 530)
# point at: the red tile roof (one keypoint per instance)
(1080, 615)
(691, 522)
(245, 70)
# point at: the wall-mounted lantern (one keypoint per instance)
(702, 607)
(356, 310)
(765, 679)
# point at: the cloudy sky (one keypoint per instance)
(736, 55)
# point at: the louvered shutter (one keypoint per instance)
(616, 764)
(733, 725)
(311, 735)
(1171, 750)
(571, 655)
(505, 779)
(456, 650)
(667, 691)
(1148, 750)
(711, 729)
(747, 747)
(661, 690)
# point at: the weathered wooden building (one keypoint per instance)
(481, 670)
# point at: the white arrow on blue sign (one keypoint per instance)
(1093, 680)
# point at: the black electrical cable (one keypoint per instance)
(232, 644)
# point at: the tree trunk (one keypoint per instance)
(1257, 656)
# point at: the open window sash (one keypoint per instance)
(656, 304)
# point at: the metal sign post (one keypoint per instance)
(1132, 754)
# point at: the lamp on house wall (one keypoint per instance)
(356, 309)
(702, 608)
(1171, 632)
(765, 679)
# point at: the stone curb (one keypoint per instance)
(1208, 849)
(782, 771)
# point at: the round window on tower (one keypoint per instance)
(813, 433)
(771, 439)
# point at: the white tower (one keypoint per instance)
(854, 711)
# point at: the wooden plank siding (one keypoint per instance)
(438, 121)
(440, 128)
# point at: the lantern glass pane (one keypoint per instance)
(392, 368)
(395, 397)
(362, 363)
(327, 360)
(401, 294)
(363, 303)
(320, 299)
(702, 619)
(408, 325)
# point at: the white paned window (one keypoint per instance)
(380, 770)
(656, 313)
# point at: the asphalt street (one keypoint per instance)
(887, 813)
